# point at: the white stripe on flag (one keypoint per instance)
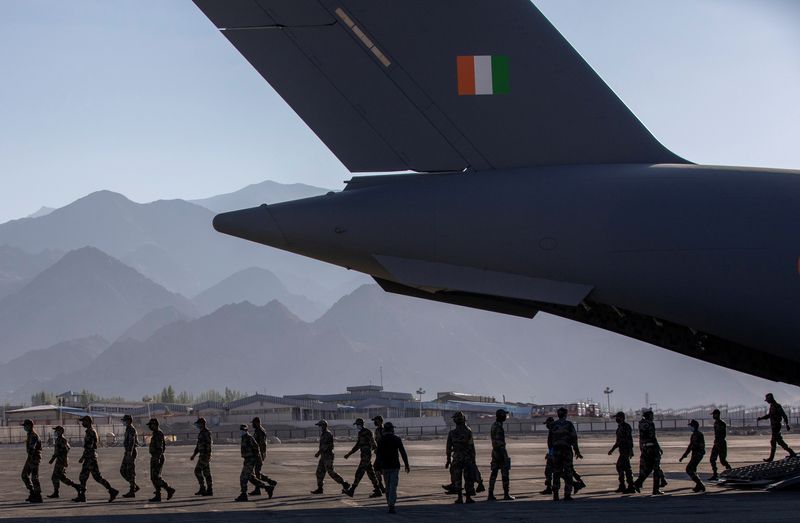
(483, 75)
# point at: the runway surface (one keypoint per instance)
(420, 496)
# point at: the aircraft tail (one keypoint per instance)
(440, 85)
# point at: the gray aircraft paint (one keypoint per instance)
(561, 201)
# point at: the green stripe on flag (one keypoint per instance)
(500, 83)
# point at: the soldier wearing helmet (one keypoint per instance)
(325, 463)
(128, 467)
(720, 448)
(697, 448)
(91, 466)
(202, 471)
(60, 453)
(30, 471)
(776, 415)
(460, 451)
(365, 444)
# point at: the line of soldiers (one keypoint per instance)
(562, 443)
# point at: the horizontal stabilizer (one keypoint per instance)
(443, 85)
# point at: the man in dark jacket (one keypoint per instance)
(624, 443)
(388, 464)
(697, 448)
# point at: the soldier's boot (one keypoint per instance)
(620, 488)
(555, 495)
(631, 489)
(699, 487)
(656, 490)
(112, 494)
(547, 491)
(318, 491)
(376, 493)
(170, 492)
(349, 491)
(468, 499)
(256, 492)
(567, 496)
(578, 486)
(460, 498)
(156, 497)
(490, 496)
(209, 491)
(713, 477)
(270, 490)
(80, 498)
(272, 482)
(662, 481)
(201, 491)
(36, 497)
(506, 495)
(480, 487)
(242, 497)
(30, 494)
(637, 485)
(54, 495)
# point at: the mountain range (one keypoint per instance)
(254, 195)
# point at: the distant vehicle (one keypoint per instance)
(534, 188)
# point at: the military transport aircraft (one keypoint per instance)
(526, 184)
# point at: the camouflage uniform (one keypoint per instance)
(777, 416)
(460, 452)
(325, 463)
(158, 446)
(260, 435)
(563, 439)
(500, 460)
(365, 443)
(90, 465)
(378, 435)
(697, 448)
(60, 452)
(202, 470)
(251, 456)
(720, 448)
(128, 467)
(624, 443)
(30, 471)
(649, 455)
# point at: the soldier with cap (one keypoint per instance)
(460, 451)
(128, 468)
(720, 448)
(387, 463)
(548, 461)
(60, 453)
(378, 422)
(325, 455)
(563, 438)
(202, 471)
(30, 471)
(697, 448)
(260, 435)
(90, 465)
(501, 462)
(158, 445)
(251, 455)
(365, 444)
(649, 454)
(624, 443)
(776, 417)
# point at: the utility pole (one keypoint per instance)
(381, 371)
(420, 392)
(608, 392)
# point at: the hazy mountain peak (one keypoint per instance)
(255, 194)
(43, 211)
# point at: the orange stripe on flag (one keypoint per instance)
(466, 74)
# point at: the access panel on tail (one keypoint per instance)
(440, 85)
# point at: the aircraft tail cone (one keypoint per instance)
(255, 224)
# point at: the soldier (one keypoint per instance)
(260, 435)
(60, 452)
(128, 467)
(720, 448)
(624, 444)
(697, 448)
(90, 465)
(460, 452)
(30, 471)
(649, 453)
(158, 446)
(378, 421)
(776, 415)
(251, 455)
(325, 455)
(388, 464)
(202, 471)
(564, 440)
(365, 443)
(501, 462)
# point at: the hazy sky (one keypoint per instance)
(145, 97)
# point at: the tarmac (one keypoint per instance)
(420, 497)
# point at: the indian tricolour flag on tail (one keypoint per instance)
(485, 74)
